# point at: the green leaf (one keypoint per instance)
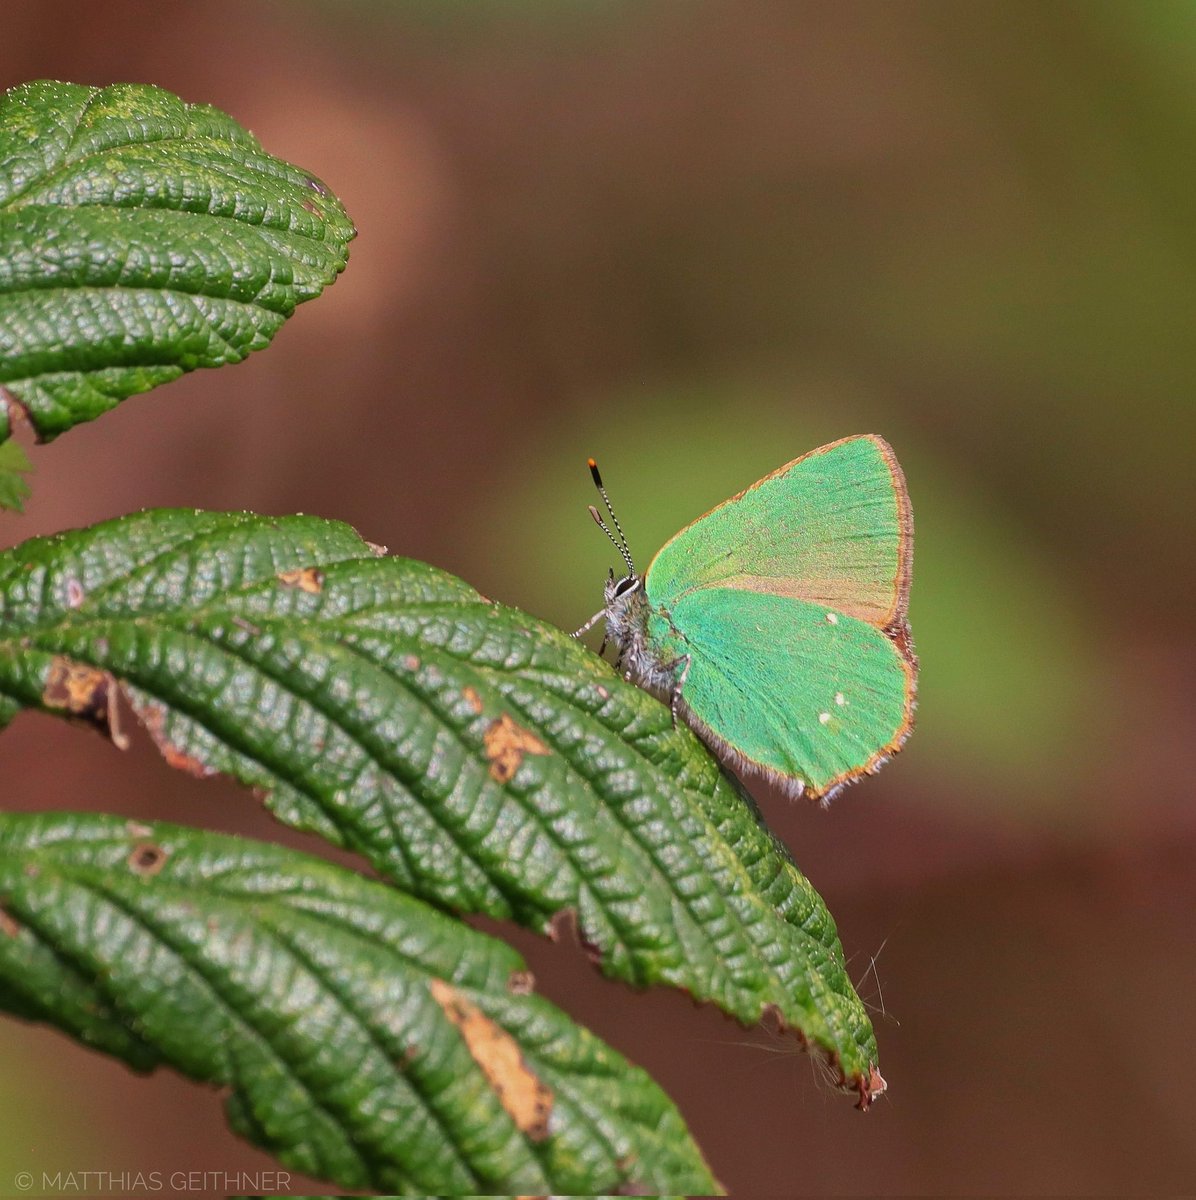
(477, 757)
(14, 466)
(364, 1037)
(141, 237)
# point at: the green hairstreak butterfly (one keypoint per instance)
(776, 624)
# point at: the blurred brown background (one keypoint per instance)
(695, 240)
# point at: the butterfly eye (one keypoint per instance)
(627, 584)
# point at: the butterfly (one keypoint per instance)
(776, 624)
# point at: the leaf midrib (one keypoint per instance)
(824, 999)
(515, 900)
(67, 165)
(224, 1004)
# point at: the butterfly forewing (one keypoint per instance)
(832, 527)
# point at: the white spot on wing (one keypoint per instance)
(840, 699)
(832, 618)
(823, 718)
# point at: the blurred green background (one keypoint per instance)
(696, 240)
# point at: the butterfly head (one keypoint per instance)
(619, 590)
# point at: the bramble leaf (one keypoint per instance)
(141, 237)
(14, 466)
(477, 757)
(362, 1036)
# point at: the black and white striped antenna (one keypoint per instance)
(620, 542)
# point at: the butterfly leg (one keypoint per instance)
(678, 683)
(589, 624)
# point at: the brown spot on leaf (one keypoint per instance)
(506, 743)
(8, 925)
(870, 1089)
(306, 579)
(248, 626)
(521, 983)
(153, 717)
(563, 927)
(180, 760)
(74, 593)
(16, 412)
(87, 693)
(411, 662)
(632, 1187)
(473, 699)
(527, 1099)
(377, 550)
(866, 1089)
(147, 858)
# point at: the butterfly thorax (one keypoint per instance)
(633, 624)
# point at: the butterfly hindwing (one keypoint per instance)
(798, 696)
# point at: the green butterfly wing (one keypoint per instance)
(790, 599)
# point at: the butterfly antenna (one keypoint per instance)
(619, 543)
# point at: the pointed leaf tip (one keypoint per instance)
(475, 756)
